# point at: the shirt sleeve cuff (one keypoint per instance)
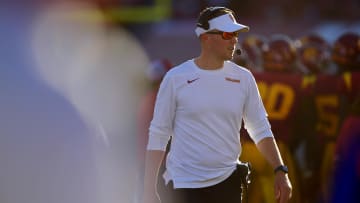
(260, 131)
(157, 143)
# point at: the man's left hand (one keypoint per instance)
(283, 188)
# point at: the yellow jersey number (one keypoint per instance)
(278, 99)
(328, 120)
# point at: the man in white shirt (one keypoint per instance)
(201, 103)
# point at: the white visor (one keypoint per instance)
(225, 23)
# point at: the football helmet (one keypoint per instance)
(314, 53)
(346, 52)
(251, 46)
(314, 38)
(279, 54)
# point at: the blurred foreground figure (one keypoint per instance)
(155, 73)
(69, 88)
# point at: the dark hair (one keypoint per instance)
(210, 13)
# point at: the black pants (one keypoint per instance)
(228, 191)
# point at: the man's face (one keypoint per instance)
(222, 45)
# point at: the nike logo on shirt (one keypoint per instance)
(193, 80)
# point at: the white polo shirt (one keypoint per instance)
(202, 110)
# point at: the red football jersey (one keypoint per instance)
(329, 101)
(350, 85)
(281, 93)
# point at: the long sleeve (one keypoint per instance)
(161, 126)
(255, 116)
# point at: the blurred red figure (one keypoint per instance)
(346, 54)
(155, 73)
(318, 115)
(344, 168)
(280, 87)
(333, 94)
(344, 165)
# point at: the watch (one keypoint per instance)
(282, 168)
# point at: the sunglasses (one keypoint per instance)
(225, 35)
